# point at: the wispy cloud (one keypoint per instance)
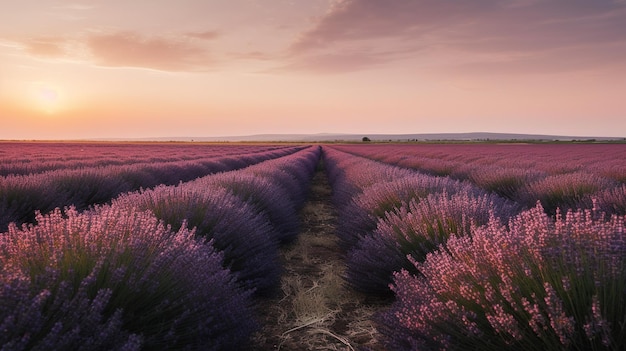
(181, 52)
(127, 49)
(204, 35)
(75, 6)
(254, 55)
(330, 63)
(46, 47)
(534, 28)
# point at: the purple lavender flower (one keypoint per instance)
(264, 196)
(359, 218)
(612, 200)
(245, 237)
(22, 195)
(504, 181)
(563, 191)
(416, 230)
(536, 283)
(116, 279)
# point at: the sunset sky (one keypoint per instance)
(155, 68)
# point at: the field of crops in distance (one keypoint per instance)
(129, 246)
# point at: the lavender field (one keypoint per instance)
(159, 246)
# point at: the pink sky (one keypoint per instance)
(126, 69)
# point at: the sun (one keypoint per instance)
(47, 98)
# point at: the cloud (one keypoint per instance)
(204, 35)
(353, 20)
(177, 52)
(330, 63)
(347, 59)
(534, 28)
(75, 7)
(46, 47)
(128, 49)
(560, 60)
(253, 55)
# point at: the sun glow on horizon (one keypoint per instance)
(47, 98)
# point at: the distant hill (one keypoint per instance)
(332, 137)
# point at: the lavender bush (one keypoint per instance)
(292, 173)
(116, 280)
(358, 219)
(21, 196)
(245, 237)
(291, 185)
(540, 284)
(27, 323)
(563, 191)
(504, 181)
(349, 174)
(265, 196)
(335, 166)
(24, 158)
(417, 229)
(614, 169)
(612, 200)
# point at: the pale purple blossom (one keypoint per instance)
(116, 279)
(537, 283)
(98, 182)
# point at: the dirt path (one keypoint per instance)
(314, 310)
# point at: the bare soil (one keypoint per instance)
(314, 310)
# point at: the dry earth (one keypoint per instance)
(314, 310)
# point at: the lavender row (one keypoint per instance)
(457, 160)
(115, 277)
(246, 213)
(116, 280)
(395, 212)
(560, 176)
(24, 158)
(21, 196)
(534, 283)
(470, 274)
